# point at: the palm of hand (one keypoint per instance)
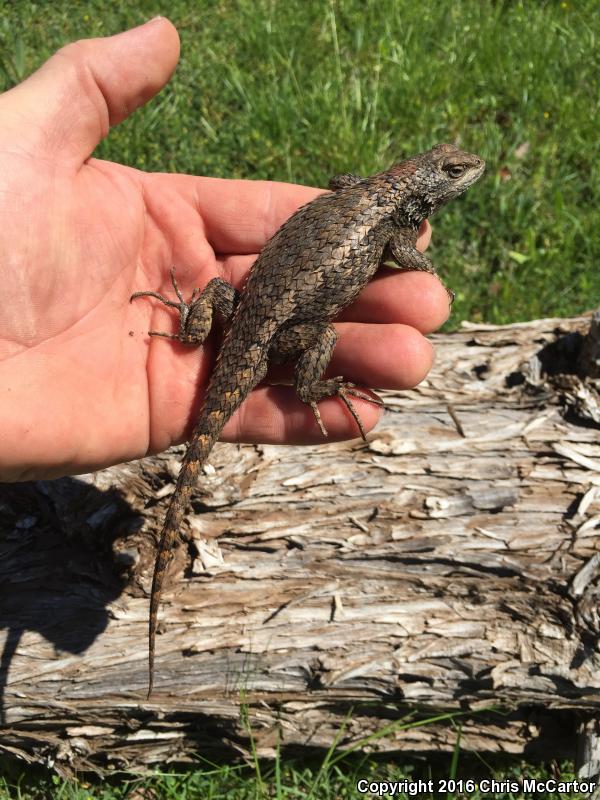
(87, 240)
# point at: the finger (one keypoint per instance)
(381, 356)
(90, 85)
(239, 216)
(418, 299)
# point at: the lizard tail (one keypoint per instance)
(196, 455)
(232, 389)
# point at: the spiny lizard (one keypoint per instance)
(313, 267)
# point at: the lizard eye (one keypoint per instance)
(454, 170)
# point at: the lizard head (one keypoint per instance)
(437, 176)
(446, 172)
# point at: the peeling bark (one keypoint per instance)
(450, 564)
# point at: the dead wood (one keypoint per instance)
(450, 564)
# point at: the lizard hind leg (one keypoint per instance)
(313, 345)
(344, 181)
(196, 316)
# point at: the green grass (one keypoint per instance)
(303, 89)
(300, 90)
(294, 780)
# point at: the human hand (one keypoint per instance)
(82, 385)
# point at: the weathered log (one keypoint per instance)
(450, 564)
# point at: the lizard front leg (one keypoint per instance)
(195, 317)
(312, 344)
(401, 254)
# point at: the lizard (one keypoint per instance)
(312, 267)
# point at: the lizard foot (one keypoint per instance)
(344, 390)
(181, 306)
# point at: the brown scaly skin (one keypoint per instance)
(311, 269)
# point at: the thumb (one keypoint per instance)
(65, 108)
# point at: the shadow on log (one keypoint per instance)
(448, 565)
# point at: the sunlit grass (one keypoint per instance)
(302, 90)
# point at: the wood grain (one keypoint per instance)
(448, 565)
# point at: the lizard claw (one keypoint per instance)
(348, 389)
(317, 414)
(181, 306)
(344, 390)
(163, 299)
